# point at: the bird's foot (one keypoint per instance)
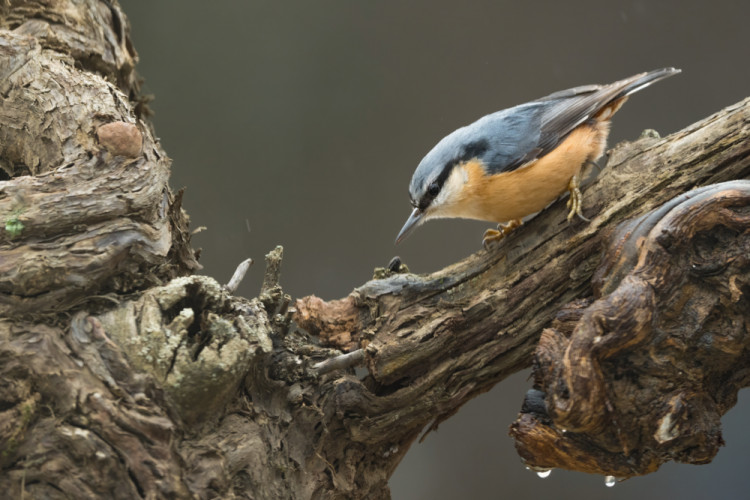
(493, 236)
(576, 199)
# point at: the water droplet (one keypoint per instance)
(544, 473)
(610, 481)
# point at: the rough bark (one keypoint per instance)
(126, 377)
(85, 191)
(642, 372)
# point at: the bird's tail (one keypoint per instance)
(637, 82)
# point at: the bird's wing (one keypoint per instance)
(528, 132)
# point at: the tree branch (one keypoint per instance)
(174, 388)
(645, 373)
(451, 335)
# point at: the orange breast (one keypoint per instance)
(516, 194)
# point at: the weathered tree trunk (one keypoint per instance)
(124, 376)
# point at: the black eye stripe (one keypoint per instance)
(474, 149)
(469, 151)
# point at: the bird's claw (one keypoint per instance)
(575, 201)
(493, 236)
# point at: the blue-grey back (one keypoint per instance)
(508, 139)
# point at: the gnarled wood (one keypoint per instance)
(649, 368)
(126, 378)
(84, 183)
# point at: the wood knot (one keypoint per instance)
(643, 374)
(121, 139)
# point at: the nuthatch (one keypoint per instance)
(515, 162)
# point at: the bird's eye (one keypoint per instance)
(433, 189)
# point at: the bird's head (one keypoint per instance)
(437, 186)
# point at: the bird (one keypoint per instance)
(513, 163)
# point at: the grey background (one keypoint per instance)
(304, 121)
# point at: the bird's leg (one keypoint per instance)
(492, 236)
(576, 199)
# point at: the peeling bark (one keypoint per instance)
(126, 377)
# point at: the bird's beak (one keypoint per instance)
(414, 220)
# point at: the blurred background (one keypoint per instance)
(300, 124)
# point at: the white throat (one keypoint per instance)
(446, 203)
